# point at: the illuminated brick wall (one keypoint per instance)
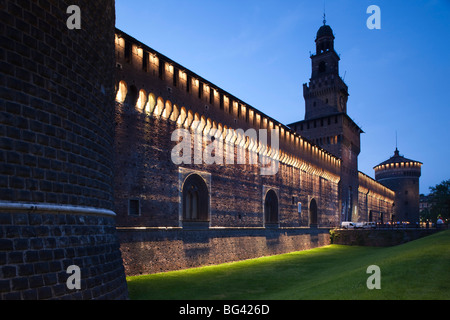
(56, 150)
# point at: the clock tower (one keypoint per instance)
(327, 93)
(327, 123)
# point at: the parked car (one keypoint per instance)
(369, 225)
(348, 225)
(359, 225)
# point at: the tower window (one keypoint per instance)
(175, 78)
(200, 90)
(189, 84)
(145, 61)
(322, 67)
(221, 102)
(161, 70)
(128, 51)
(134, 207)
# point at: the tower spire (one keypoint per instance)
(396, 145)
(324, 15)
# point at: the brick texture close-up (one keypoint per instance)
(56, 138)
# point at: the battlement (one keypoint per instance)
(375, 201)
(403, 168)
(369, 185)
(183, 97)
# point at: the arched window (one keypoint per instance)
(175, 113)
(142, 100)
(313, 213)
(167, 110)
(121, 92)
(271, 207)
(150, 107)
(159, 107)
(182, 117)
(195, 199)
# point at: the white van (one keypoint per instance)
(348, 225)
(369, 225)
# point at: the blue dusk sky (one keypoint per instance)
(258, 50)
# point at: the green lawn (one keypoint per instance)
(416, 270)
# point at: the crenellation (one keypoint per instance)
(239, 111)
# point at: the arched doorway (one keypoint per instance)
(313, 213)
(195, 199)
(271, 207)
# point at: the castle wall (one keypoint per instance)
(157, 97)
(145, 172)
(375, 201)
(150, 107)
(74, 163)
(56, 146)
(161, 250)
(38, 243)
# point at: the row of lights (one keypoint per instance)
(398, 165)
(183, 75)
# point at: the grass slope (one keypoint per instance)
(419, 269)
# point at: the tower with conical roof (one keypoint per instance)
(402, 176)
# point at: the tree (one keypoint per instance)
(440, 198)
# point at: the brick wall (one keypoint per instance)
(36, 250)
(56, 150)
(149, 108)
(57, 103)
(378, 238)
(152, 250)
(145, 171)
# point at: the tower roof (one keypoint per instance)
(396, 158)
(325, 31)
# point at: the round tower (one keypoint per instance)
(402, 176)
(57, 221)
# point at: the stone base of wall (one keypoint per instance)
(159, 250)
(36, 250)
(378, 238)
